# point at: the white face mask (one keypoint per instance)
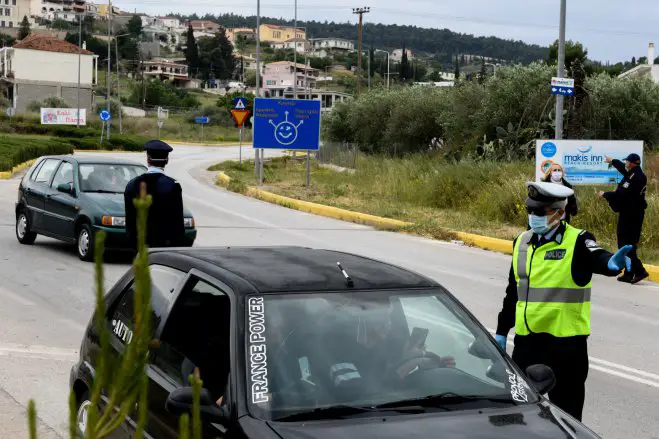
(556, 176)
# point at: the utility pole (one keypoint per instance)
(79, 62)
(360, 12)
(257, 168)
(561, 70)
(295, 54)
(108, 82)
(116, 48)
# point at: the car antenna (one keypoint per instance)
(349, 281)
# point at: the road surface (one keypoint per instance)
(47, 299)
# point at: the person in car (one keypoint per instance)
(360, 356)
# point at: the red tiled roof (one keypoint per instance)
(49, 44)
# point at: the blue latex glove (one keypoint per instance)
(501, 339)
(616, 262)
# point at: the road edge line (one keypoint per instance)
(480, 241)
(6, 175)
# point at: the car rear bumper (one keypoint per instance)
(117, 238)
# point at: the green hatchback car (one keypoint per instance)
(70, 198)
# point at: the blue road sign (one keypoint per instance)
(203, 119)
(562, 86)
(105, 115)
(240, 103)
(565, 91)
(286, 124)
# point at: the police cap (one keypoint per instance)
(547, 194)
(157, 149)
(633, 158)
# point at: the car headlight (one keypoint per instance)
(188, 223)
(114, 221)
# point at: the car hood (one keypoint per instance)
(113, 204)
(537, 421)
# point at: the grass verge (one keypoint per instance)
(478, 197)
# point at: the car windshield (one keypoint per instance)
(107, 178)
(309, 355)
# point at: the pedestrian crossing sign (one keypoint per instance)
(240, 104)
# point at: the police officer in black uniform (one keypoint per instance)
(165, 225)
(628, 200)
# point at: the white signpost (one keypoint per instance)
(63, 116)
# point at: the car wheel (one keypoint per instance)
(23, 233)
(84, 402)
(85, 243)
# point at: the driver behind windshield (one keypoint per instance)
(368, 351)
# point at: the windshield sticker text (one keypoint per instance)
(122, 331)
(258, 358)
(517, 387)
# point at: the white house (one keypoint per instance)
(58, 9)
(13, 11)
(332, 44)
(302, 45)
(397, 55)
(169, 22)
(41, 66)
(648, 70)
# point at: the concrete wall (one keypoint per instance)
(39, 65)
(29, 92)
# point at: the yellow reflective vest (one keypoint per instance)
(548, 299)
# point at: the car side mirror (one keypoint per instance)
(497, 372)
(180, 401)
(542, 377)
(479, 349)
(66, 188)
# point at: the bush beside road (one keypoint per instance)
(15, 150)
(485, 198)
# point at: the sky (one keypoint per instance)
(611, 30)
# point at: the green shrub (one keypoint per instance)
(15, 150)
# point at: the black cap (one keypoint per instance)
(633, 158)
(157, 149)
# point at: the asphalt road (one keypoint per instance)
(47, 297)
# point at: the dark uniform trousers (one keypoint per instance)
(630, 225)
(567, 357)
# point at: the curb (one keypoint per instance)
(480, 241)
(210, 145)
(6, 175)
(320, 209)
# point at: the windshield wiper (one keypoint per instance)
(103, 191)
(338, 412)
(444, 399)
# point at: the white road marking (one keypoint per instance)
(6, 293)
(625, 372)
(35, 351)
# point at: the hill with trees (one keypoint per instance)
(439, 44)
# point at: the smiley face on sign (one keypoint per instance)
(286, 132)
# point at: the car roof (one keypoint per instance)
(290, 269)
(93, 159)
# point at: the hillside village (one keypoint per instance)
(148, 48)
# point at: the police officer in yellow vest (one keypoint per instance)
(548, 294)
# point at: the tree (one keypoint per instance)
(633, 61)
(404, 71)
(573, 51)
(371, 57)
(134, 26)
(483, 74)
(6, 40)
(192, 51)
(216, 56)
(457, 68)
(25, 28)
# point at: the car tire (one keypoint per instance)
(85, 243)
(23, 232)
(82, 412)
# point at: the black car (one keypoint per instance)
(71, 198)
(302, 343)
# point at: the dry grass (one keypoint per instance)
(479, 197)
